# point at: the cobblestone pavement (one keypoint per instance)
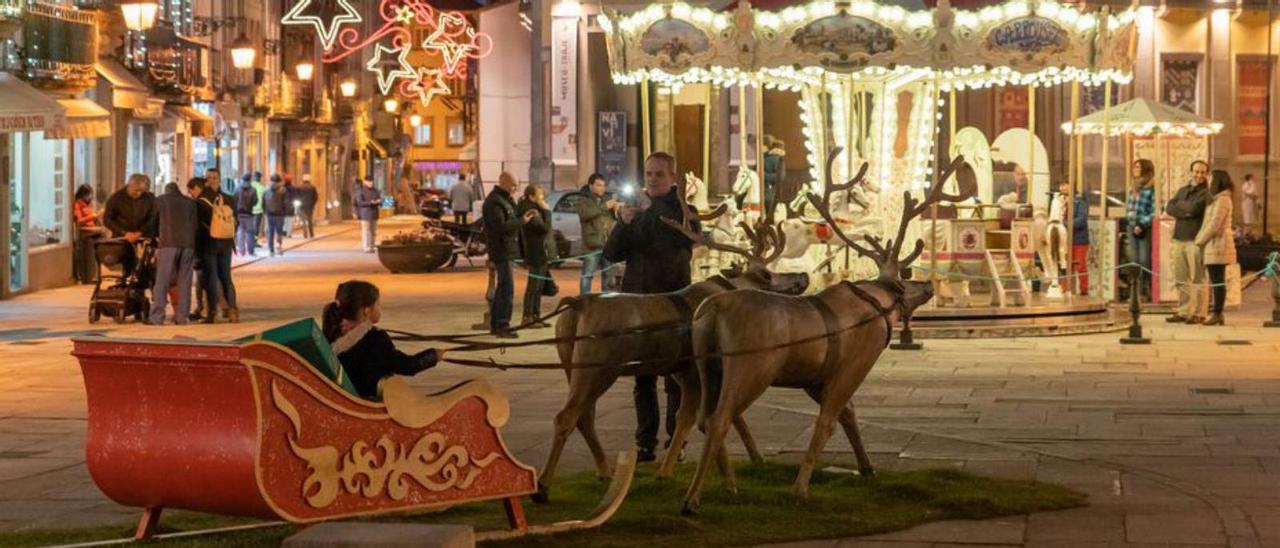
(1177, 443)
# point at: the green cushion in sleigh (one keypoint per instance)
(305, 339)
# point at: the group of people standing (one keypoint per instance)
(256, 202)
(1203, 238)
(657, 259)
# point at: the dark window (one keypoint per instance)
(568, 203)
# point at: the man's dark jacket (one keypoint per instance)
(205, 243)
(179, 218)
(124, 214)
(277, 201)
(1187, 207)
(367, 201)
(501, 224)
(657, 255)
(308, 196)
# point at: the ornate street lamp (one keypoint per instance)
(243, 52)
(139, 15)
(391, 105)
(348, 87)
(305, 70)
(415, 120)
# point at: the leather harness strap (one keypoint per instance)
(880, 309)
(721, 281)
(831, 324)
(677, 300)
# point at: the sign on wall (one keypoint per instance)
(611, 144)
(564, 90)
(1251, 104)
(1013, 108)
(1179, 81)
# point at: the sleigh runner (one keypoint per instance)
(251, 428)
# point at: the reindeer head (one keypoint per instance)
(767, 245)
(888, 254)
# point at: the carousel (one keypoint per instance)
(878, 85)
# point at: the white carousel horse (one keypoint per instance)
(1051, 240)
(695, 192)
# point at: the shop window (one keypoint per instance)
(422, 134)
(457, 132)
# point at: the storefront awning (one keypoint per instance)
(198, 124)
(152, 110)
(127, 91)
(377, 148)
(85, 120)
(27, 109)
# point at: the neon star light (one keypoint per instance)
(326, 30)
(387, 78)
(456, 41)
(426, 92)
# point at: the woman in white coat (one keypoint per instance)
(1217, 240)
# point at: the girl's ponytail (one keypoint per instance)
(351, 297)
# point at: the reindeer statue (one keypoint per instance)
(623, 329)
(825, 343)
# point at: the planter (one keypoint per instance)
(415, 257)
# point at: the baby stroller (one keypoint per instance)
(120, 288)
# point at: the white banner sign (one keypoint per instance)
(564, 90)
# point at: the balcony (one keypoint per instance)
(11, 14)
(61, 45)
(172, 64)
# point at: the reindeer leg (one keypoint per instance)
(738, 389)
(587, 427)
(822, 430)
(690, 396)
(744, 433)
(583, 389)
(849, 422)
(718, 426)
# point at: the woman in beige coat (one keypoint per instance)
(1217, 240)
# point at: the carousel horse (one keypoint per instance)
(695, 192)
(746, 189)
(1052, 241)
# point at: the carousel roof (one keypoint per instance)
(1143, 117)
(1018, 42)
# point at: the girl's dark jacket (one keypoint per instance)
(534, 234)
(368, 356)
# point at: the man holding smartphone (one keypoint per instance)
(657, 258)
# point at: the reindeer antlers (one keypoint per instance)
(886, 254)
(763, 237)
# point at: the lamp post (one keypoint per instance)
(139, 15)
(305, 70)
(242, 52)
(348, 88)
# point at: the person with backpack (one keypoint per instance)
(215, 240)
(246, 200)
(277, 209)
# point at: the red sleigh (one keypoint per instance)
(252, 429)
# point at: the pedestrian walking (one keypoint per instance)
(368, 201)
(534, 238)
(1217, 240)
(276, 209)
(246, 200)
(657, 258)
(1140, 208)
(596, 213)
(176, 257)
(367, 353)
(461, 196)
(307, 197)
(502, 230)
(1187, 207)
(215, 242)
(259, 210)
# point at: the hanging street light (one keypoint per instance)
(139, 15)
(348, 87)
(305, 70)
(243, 52)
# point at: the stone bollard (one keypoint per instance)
(905, 340)
(1135, 309)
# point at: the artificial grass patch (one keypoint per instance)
(763, 510)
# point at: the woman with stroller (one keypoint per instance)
(534, 239)
(1217, 240)
(367, 353)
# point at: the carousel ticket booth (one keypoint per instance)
(877, 84)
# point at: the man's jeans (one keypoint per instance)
(308, 223)
(170, 262)
(275, 233)
(504, 294)
(1188, 271)
(646, 400)
(368, 235)
(246, 243)
(218, 285)
(591, 265)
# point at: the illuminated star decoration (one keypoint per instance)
(452, 51)
(327, 31)
(387, 78)
(427, 84)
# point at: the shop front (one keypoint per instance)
(37, 206)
